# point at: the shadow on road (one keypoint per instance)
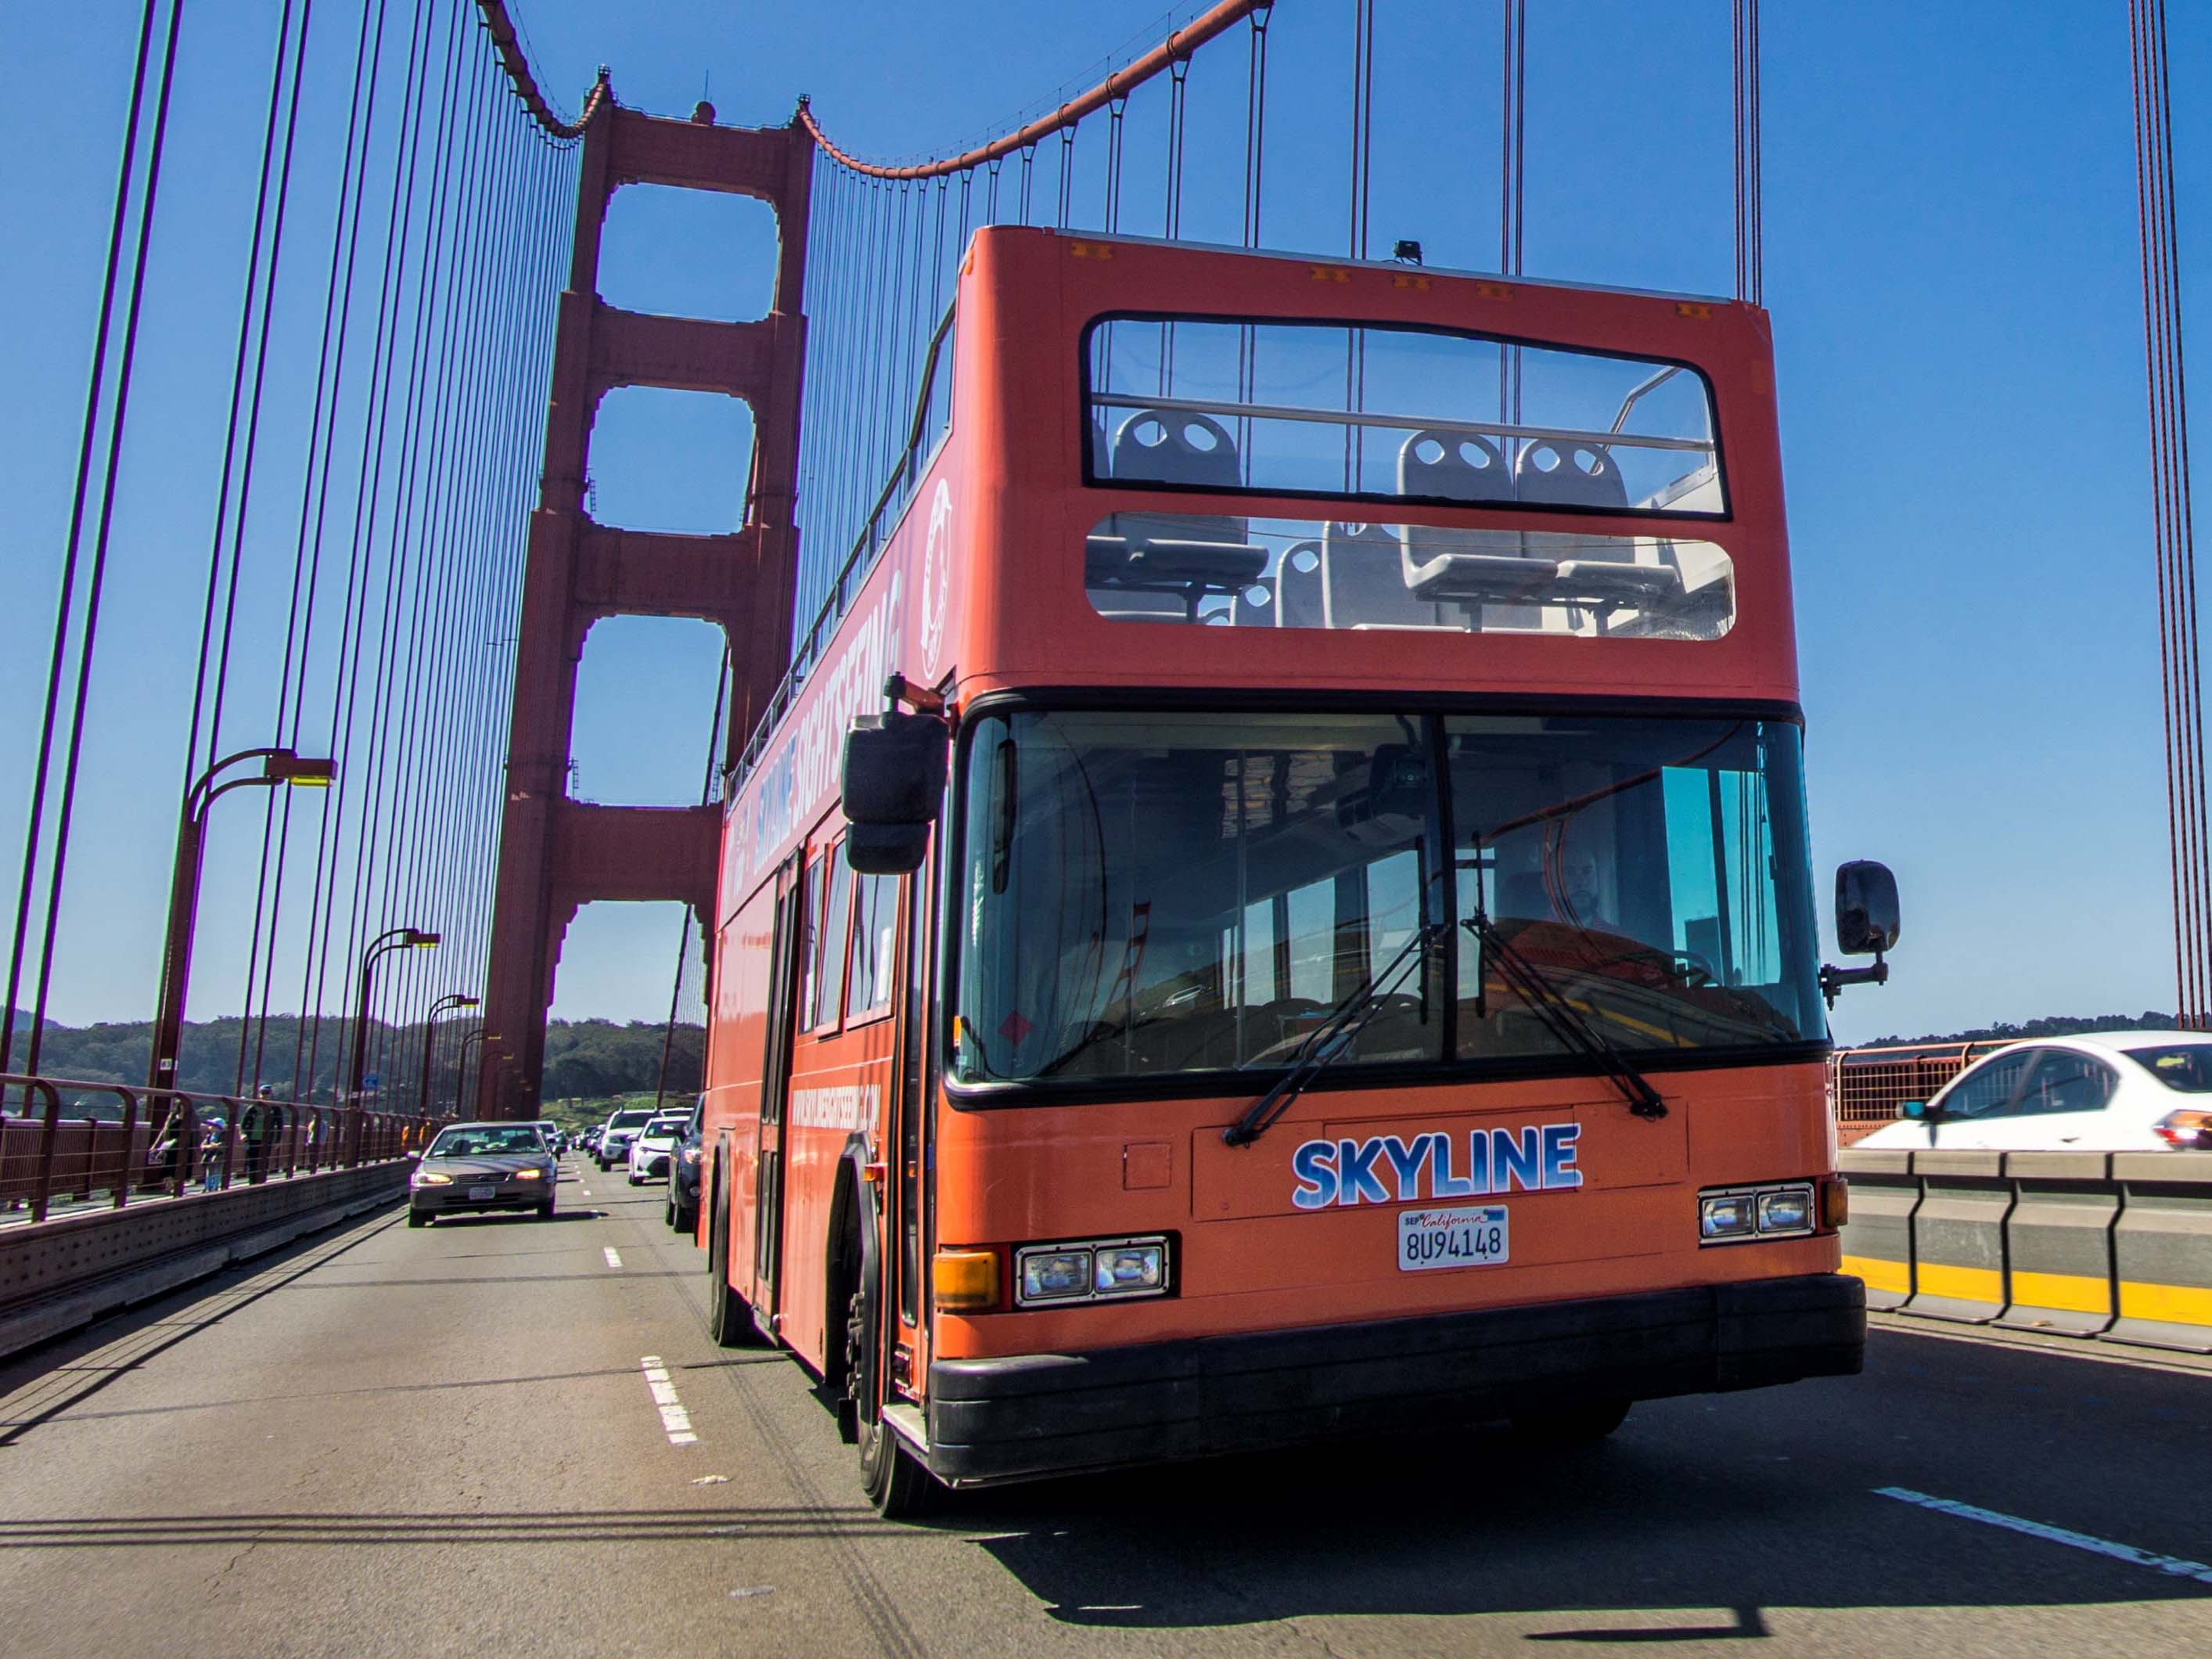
(1685, 1515)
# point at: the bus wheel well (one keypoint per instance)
(846, 1255)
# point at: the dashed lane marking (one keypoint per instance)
(674, 1420)
(613, 1256)
(2171, 1564)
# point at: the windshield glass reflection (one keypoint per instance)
(1154, 893)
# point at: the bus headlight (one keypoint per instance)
(1126, 1269)
(1782, 1210)
(1101, 1270)
(1725, 1215)
(1054, 1275)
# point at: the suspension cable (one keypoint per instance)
(72, 545)
(1750, 258)
(2181, 677)
(1175, 50)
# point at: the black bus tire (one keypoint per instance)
(896, 1482)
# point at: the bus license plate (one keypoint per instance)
(1451, 1238)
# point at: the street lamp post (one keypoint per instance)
(278, 766)
(429, 1036)
(461, 1066)
(399, 939)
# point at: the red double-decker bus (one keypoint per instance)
(1279, 903)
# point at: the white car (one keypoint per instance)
(2113, 1091)
(655, 1145)
(615, 1135)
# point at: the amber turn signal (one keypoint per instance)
(1835, 1203)
(965, 1281)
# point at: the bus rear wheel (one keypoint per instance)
(894, 1481)
(1583, 1425)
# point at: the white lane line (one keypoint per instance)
(2171, 1565)
(675, 1421)
(613, 1256)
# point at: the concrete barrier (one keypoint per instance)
(1959, 1236)
(58, 1275)
(2058, 1241)
(2162, 1249)
(2114, 1247)
(1878, 1246)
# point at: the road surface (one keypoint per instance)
(503, 1435)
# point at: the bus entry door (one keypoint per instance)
(775, 1090)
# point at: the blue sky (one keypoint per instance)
(1950, 264)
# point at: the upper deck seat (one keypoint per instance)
(1255, 606)
(1189, 554)
(1568, 475)
(1466, 567)
(1452, 466)
(1364, 581)
(1299, 598)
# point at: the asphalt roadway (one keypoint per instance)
(450, 1442)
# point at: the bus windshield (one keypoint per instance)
(1155, 893)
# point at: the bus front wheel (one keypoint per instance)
(896, 1483)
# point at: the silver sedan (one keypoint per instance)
(481, 1166)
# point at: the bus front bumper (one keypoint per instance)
(1030, 1415)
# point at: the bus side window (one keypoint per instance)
(875, 931)
(808, 897)
(829, 963)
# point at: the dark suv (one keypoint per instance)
(683, 1175)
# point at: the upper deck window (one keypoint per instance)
(1371, 413)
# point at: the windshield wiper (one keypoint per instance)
(1332, 1038)
(1560, 1017)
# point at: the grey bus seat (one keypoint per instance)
(1568, 475)
(1175, 456)
(1255, 605)
(1300, 598)
(1363, 581)
(1452, 466)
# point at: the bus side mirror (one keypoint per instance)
(879, 849)
(894, 781)
(1866, 909)
(1866, 924)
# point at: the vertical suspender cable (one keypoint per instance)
(1750, 259)
(1256, 139)
(1363, 141)
(1114, 113)
(1512, 188)
(88, 636)
(32, 840)
(2189, 860)
(1067, 173)
(1179, 78)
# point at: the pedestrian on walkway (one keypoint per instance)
(258, 1126)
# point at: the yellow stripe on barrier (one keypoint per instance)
(1961, 1283)
(1880, 1275)
(2169, 1304)
(2065, 1293)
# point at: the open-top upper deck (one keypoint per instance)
(1356, 477)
